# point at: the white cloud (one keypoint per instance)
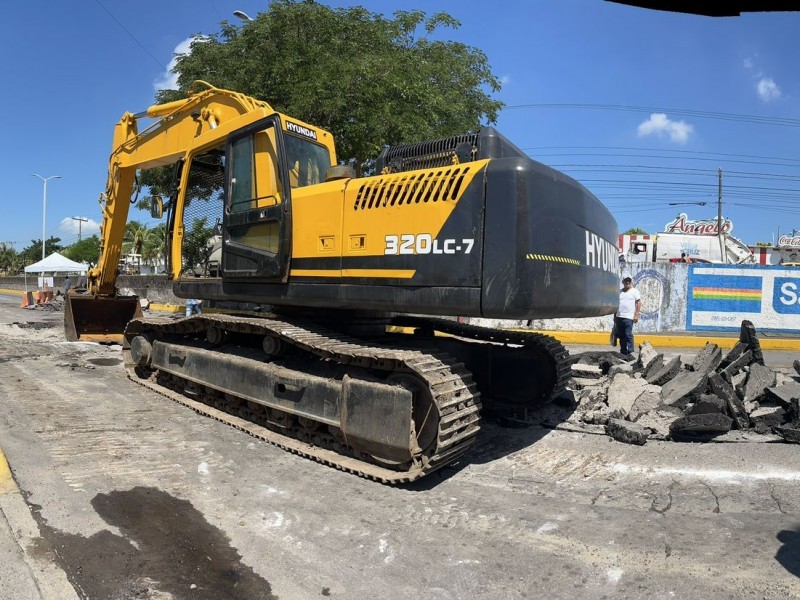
(767, 89)
(169, 80)
(71, 227)
(660, 125)
(505, 79)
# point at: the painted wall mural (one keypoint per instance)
(721, 296)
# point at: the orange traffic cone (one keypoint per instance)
(27, 299)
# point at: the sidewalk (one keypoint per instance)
(28, 571)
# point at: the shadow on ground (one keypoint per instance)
(788, 555)
(166, 545)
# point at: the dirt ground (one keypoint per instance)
(138, 497)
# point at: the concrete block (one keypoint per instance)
(648, 400)
(723, 389)
(751, 406)
(623, 392)
(665, 373)
(658, 422)
(625, 431)
(647, 354)
(623, 368)
(596, 416)
(584, 371)
(759, 378)
(684, 387)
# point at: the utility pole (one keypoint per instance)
(79, 220)
(719, 218)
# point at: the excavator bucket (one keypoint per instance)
(98, 318)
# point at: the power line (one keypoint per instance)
(146, 51)
(662, 150)
(781, 121)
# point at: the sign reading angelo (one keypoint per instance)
(720, 297)
(682, 224)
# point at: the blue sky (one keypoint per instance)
(640, 106)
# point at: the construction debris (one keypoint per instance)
(732, 397)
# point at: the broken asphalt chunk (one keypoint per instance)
(666, 372)
(736, 409)
(625, 431)
(759, 378)
(703, 426)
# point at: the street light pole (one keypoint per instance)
(44, 204)
(243, 16)
(722, 253)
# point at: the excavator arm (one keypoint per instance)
(182, 128)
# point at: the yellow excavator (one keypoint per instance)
(360, 358)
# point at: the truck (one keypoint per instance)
(358, 360)
(697, 241)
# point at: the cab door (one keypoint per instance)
(257, 218)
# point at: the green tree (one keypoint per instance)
(8, 258)
(86, 250)
(135, 238)
(196, 249)
(369, 79)
(635, 231)
(33, 253)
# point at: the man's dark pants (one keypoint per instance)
(625, 333)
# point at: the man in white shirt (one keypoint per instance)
(630, 302)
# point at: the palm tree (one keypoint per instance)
(155, 247)
(135, 237)
(7, 255)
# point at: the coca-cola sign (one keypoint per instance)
(788, 240)
(682, 224)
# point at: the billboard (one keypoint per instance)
(719, 297)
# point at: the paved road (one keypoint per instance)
(136, 496)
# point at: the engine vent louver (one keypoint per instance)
(411, 188)
(428, 155)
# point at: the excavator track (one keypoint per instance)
(546, 345)
(447, 386)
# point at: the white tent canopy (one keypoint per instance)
(56, 263)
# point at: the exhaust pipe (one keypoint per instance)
(99, 318)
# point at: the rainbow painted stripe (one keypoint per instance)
(718, 293)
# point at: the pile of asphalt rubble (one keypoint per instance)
(718, 397)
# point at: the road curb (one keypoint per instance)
(661, 340)
(27, 571)
(14, 292)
